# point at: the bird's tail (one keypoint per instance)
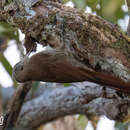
(108, 79)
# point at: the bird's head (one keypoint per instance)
(18, 71)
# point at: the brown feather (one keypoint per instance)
(57, 67)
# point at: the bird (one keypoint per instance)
(56, 66)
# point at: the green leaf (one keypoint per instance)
(80, 3)
(82, 121)
(7, 66)
(67, 84)
(111, 10)
(35, 86)
(65, 1)
(92, 4)
(6, 30)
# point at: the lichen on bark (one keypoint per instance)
(79, 35)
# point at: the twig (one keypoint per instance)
(128, 28)
(15, 104)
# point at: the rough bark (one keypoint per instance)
(92, 41)
(56, 102)
(14, 105)
(83, 98)
(69, 122)
(100, 46)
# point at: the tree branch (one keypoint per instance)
(86, 41)
(8, 92)
(14, 106)
(101, 48)
(61, 101)
(128, 28)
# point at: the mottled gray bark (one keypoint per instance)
(14, 105)
(57, 102)
(7, 93)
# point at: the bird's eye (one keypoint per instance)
(18, 67)
(21, 67)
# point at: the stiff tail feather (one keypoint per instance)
(111, 81)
